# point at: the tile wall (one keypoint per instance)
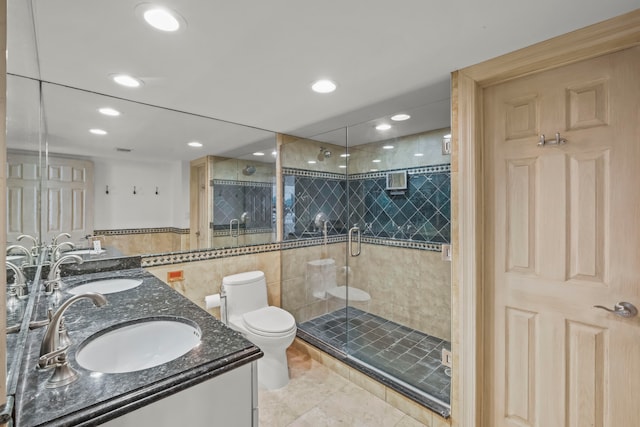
(420, 213)
(407, 286)
(145, 240)
(202, 278)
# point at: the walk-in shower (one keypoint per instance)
(371, 287)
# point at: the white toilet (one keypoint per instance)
(270, 328)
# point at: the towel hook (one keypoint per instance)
(134, 190)
(558, 141)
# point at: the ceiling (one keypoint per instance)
(252, 63)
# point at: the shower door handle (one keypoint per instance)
(353, 230)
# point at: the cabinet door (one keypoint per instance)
(226, 400)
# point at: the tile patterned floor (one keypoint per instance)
(319, 397)
(404, 353)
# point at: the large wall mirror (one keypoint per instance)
(141, 178)
(125, 176)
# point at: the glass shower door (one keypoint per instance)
(398, 286)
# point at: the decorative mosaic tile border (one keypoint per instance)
(313, 174)
(445, 167)
(424, 246)
(207, 254)
(124, 231)
(203, 255)
(225, 233)
(242, 183)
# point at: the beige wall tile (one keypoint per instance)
(367, 383)
(409, 407)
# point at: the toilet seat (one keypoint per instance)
(269, 321)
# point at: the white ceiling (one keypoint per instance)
(252, 62)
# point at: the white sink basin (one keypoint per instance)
(83, 252)
(135, 346)
(106, 286)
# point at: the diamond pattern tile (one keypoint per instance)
(422, 213)
(231, 200)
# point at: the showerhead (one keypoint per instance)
(249, 170)
(324, 154)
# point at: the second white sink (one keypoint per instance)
(106, 286)
(138, 345)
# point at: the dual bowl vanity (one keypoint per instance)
(135, 353)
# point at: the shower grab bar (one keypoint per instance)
(359, 240)
(237, 221)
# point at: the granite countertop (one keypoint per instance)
(96, 398)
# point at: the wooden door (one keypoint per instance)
(563, 235)
(200, 201)
(23, 189)
(67, 199)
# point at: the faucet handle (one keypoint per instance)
(49, 359)
(35, 324)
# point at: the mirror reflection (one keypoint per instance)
(130, 175)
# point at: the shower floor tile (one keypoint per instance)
(405, 354)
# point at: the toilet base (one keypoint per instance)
(273, 371)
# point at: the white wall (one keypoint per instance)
(122, 209)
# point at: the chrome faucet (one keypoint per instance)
(51, 354)
(19, 281)
(54, 242)
(35, 249)
(55, 250)
(22, 249)
(54, 272)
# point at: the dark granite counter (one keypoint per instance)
(95, 397)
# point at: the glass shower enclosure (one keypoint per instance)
(363, 271)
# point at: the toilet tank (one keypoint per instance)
(245, 292)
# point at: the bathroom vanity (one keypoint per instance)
(214, 383)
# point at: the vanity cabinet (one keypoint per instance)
(229, 400)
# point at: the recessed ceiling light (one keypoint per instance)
(383, 126)
(448, 136)
(376, 161)
(312, 162)
(400, 117)
(373, 170)
(258, 153)
(418, 154)
(194, 144)
(98, 131)
(161, 19)
(274, 153)
(345, 155)
(126, 80)
(388, 147)
(342, 166)
(109, 111)
(323, 86)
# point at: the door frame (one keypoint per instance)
(468, 216)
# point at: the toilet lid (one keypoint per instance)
(269, 320)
